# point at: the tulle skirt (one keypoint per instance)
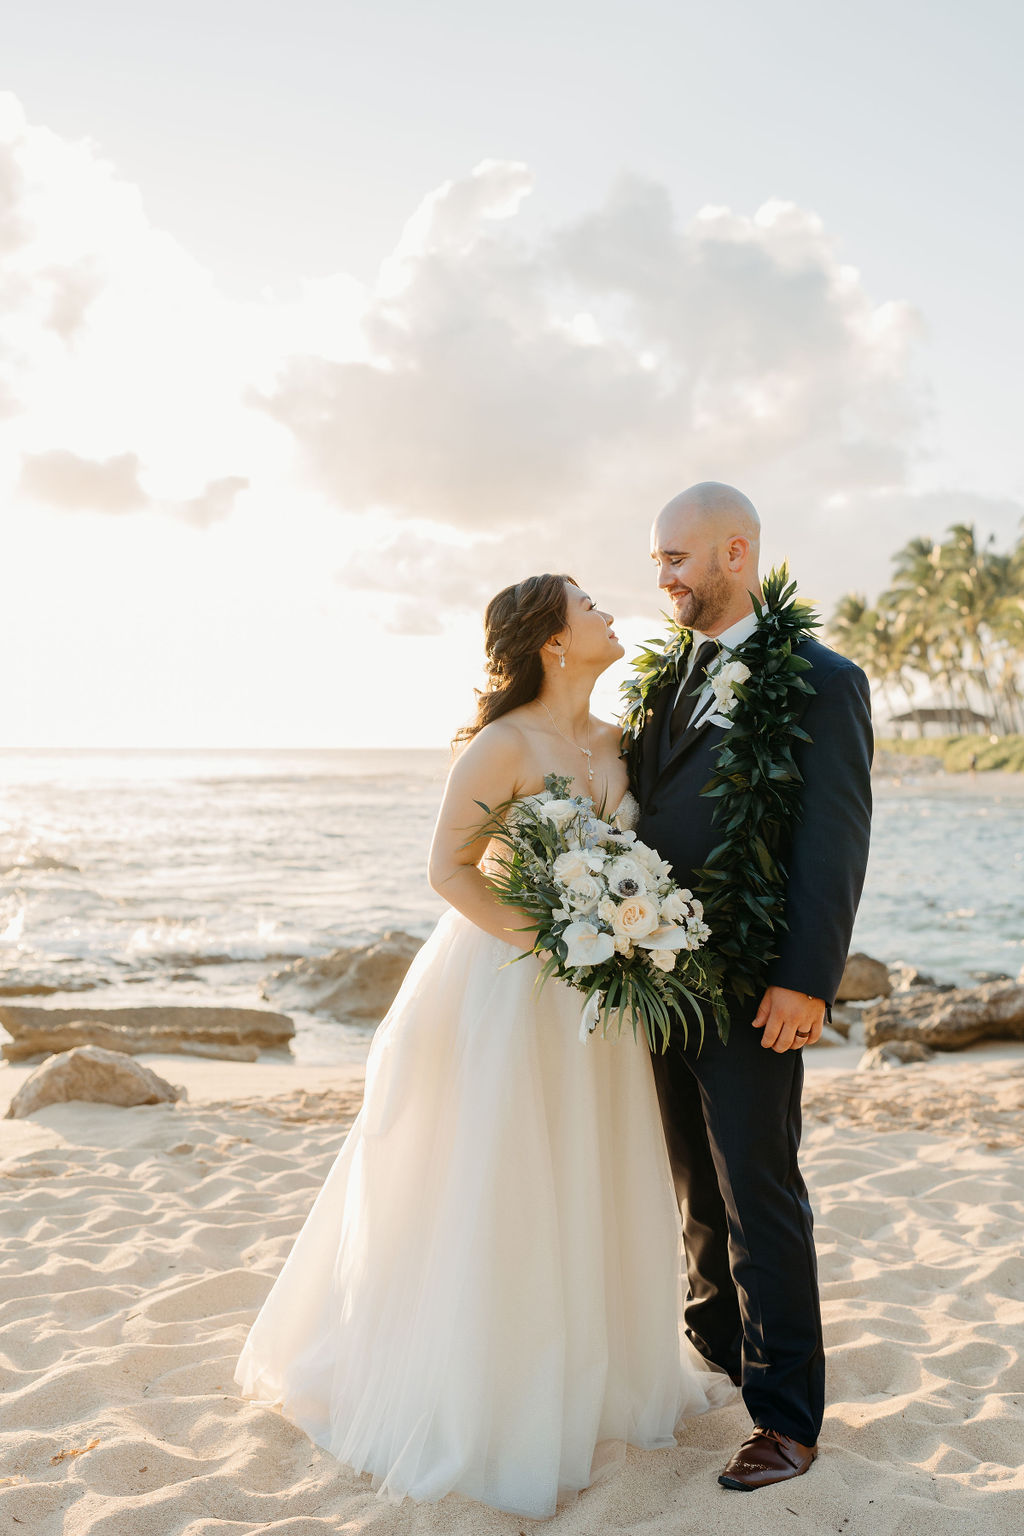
(485, 1295)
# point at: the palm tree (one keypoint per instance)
(1008, 631)
(875, 642)
(971, 593)
(851, 624)
(954, 615)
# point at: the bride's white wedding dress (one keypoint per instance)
(485, 1295)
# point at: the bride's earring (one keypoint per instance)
(561, 658)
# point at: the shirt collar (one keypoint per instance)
(730, 638)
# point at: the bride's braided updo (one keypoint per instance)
(517, 623)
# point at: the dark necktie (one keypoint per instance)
(691, 690)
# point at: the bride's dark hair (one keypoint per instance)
(517, 623)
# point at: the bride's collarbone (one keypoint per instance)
(548, 752)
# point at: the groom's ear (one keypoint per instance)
(737, 552)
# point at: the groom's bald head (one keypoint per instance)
(706, 542)
(717, 509)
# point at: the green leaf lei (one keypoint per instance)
(755, 780)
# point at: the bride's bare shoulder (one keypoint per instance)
(497, 739)
(605, 732)
(497, 754)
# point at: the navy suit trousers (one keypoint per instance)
(732, 1121)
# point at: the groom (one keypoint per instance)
(732, 1112)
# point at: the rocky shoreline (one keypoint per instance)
(900, 1016)
(893, 1014)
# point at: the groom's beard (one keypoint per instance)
(705, 606)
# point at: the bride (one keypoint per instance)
(485, 1295)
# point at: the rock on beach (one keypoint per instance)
(863, 979)
(352, 986)
(90, 1072)
(237, 1034)
(897, 1053)
(949, 1020)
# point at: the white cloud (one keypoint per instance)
(63, 479)
(557, 393)
(492, 406)
(72, 483)
(215, 502)
(123, 368)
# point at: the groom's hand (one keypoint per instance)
(789, 1019)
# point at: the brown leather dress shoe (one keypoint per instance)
(767, 1457)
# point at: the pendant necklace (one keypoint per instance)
(572, 740)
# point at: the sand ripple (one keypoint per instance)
(139, 1244)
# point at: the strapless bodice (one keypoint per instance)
(625, 816)
(627, 813)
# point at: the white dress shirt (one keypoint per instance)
(729, 639)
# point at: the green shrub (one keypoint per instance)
(955, 752)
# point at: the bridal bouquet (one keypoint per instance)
(609, 918)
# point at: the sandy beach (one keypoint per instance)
(141, 1242)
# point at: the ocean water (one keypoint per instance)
(945, 881)
(141, 876)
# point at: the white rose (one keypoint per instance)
(624, 947)
(559, 811)
(674, 908)
(607, 909)
(586, 944)
(635, 918)
(735, 672)
(570, 866)
(626, 877)
(585, 892)
(724, 682)
(651, 860)
(663, 959)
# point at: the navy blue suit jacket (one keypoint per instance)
(828, 850)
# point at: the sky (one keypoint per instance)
(320, 323)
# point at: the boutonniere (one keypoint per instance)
(727, 681)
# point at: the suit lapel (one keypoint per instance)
(694, 731)
(652, 764)
(697, 729)
(650, 742)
